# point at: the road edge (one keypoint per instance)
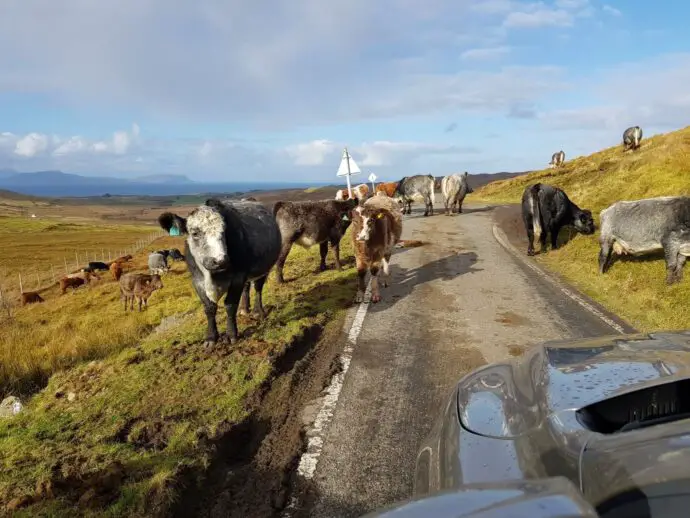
(613, 321)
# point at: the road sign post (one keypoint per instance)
(372, 179)
(347, 168)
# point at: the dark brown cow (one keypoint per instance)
(71, 282)
(31, 297)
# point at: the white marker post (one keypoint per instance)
(348, 168)
(372, 179)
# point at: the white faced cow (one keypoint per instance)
(631, 138)
(557, 159)
(229, 243)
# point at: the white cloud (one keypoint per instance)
(31, 145)
(72, 145)
(482, 54)
(543, 17)
(611, 10)
(311, 153)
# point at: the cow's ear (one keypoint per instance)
(172, 224)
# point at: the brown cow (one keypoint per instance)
(139, 286)
(71, 282)
(116, 270)
(124, 259)
(31, 297)
(387, 187)
(359, 193)
(376, 230)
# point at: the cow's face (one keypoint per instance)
(367, 221)
(584, 222)
(156, 283)
(206, 239)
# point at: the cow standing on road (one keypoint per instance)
(546, 209)
(557, 159)
(416, 188)
(454, 188)
(645, 226)
(632, 138)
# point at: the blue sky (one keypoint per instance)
(273, 90)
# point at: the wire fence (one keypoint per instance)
(40, 280)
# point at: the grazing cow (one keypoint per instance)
(388, 188)
(71, 282)
(375, 232)
(176, 255)
(97, 266)
(645, 226)
(138, 286)
(631, 138)
(116, 270)
(164, 253)
(557, 159)
(31, 297)
(308, 223)
(123, 259)
(158, 263)
(229, 243)
(419, 187)
(546, 209)
(454, 188)
(86, 274)
(360, 193)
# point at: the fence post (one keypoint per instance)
(76, 258)
(66, 269)
(38, 281)
(21, 286)
(52, 271)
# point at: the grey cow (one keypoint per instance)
(454, 188)
(645, 226)
(557, 159)
(228, 245)
(632, 137)
(416, 188)
(158, 263)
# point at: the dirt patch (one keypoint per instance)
(516, 350)
(251, 476)
(509, 219)
(509, 318)
(410, 243)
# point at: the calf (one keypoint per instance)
(98, 266)
(116, 270)
(454, 188)
(138, 286)
(388, 188)
(546, 209)
(631, 138)
(375, 232)
(645, 226)
(228, 244)
(308, 223)
(419, 187)
(31, 297)
(158, 263)
(557, 159)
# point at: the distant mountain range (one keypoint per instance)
(59, 184)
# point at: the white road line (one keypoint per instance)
(583, 303)
(310, 457)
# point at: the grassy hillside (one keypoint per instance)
(633, 288)
(121, 409)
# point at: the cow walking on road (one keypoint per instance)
(632, 138)
(454, 188)
(416, 188)
(545, 210)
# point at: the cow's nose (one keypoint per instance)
(216, 264)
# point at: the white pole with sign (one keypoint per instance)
(372, 179)
(348, 168)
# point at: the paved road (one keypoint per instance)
(454, 304)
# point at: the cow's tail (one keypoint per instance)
(534, 208)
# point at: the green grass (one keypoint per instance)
(634, 289)
(145, 408)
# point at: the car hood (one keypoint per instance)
(509, 399)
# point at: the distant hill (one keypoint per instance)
(164, 178)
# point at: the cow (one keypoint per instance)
(645, 226)
(116, 270)
(123, 259)
(388, 188)
(419, 187)
(158, 263)
(360, 193)
(138, 286)
(308, 223)
(229, 244)
(546, 209)
(86, 274)
(454, 188)
(376, 229)
(176, 255)
(31, 297)
(71, 282)
(631, 138)
(97, 266)
(557, 159)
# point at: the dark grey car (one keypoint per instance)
(612, 415)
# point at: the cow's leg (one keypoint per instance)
(335, 245)
(386, 269)
(323, 250)
(528, 220)
(605, 251)
(460, 206)
(259, 303)
(244, 302)
(554, 230)
(232, 299)
(375, 294)
(448, 206)
(674, 247)
(280, 263)
(139, 300)
(361, 275)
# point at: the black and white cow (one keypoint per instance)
(631, 138)
(546, 209)
(557, 159)
(416, 188)
(454, 188)
(228, 245)
(646, 226)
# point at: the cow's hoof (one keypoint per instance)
(359, 298)
(530, 253)
(375, 298)
(210, 343)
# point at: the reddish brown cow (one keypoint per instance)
(138, 286)
(71, 282)
(116, 271)
(31, 297)
(360, 193)
(387, 187)
(124, 259)
(376, 229)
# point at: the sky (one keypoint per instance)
(271, 90)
